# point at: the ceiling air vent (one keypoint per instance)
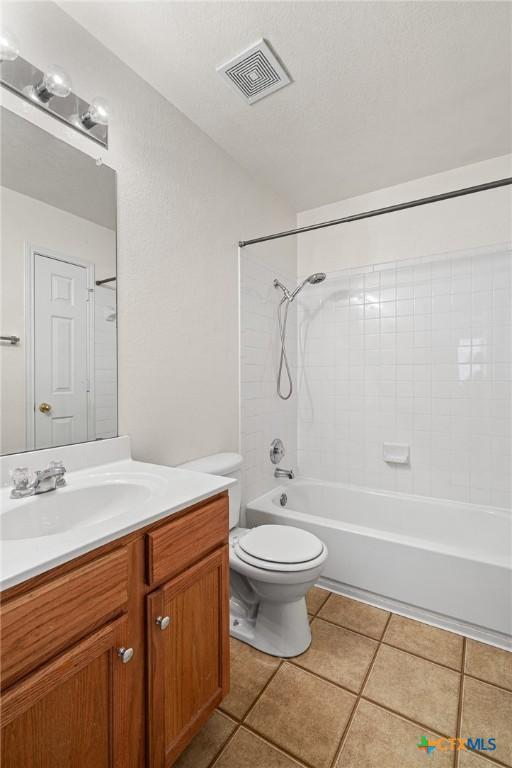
(255, 73)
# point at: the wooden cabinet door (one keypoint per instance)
(70, 712)
(188, 663)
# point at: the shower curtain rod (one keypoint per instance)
(381, 211)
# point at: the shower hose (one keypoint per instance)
(283, 359)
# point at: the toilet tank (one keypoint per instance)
(225, 465)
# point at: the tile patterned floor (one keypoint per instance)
(368, 688)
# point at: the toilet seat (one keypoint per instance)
(279, 548)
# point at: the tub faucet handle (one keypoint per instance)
(277, 451)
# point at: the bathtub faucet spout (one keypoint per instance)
(278, 472)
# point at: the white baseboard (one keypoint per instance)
(473, 631)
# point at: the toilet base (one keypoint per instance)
(279, 629)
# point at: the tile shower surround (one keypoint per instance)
(415, 352)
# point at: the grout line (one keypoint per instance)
(224, 746)
(226, 741)
(397, 647)
(279, 747)
(346, 730)
(260, 694)
(424, 658)
(406, 717)
(357, 631)
(485, 756)
(327, 679)
(461, 697)
(315, 613)
(350, 629)
(486, 682)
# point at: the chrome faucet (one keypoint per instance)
(278, 472)
(25, 483)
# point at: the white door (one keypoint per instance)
(60, 352)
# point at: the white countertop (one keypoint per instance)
(163, 492)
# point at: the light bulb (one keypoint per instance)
(96, 114)
(9, 46)
(55, 82)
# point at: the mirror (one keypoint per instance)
(58, 317)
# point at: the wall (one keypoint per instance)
(452, 225)
(183, 206)
(416, 349)
(25, 219)
(264, 416)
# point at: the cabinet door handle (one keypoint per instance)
(163, 621)
(125, 654)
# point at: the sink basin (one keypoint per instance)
(49, 514)
(100, 504)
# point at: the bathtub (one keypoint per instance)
(445, 562)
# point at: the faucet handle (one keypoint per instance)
(57, 465)
(22, 479)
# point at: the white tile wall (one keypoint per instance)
(263, 415)
(415, 352)
(105, 330)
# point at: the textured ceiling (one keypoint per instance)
(383, 92)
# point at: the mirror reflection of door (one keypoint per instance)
(58, 306)
(62, 375)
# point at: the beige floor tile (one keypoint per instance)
(303, 715)
(487, 712)
(471, 760)
(378, 739)
(249, 751)
(338, 654)
(208, 742)
(354, 615)
(315, 598)
(432, 643)
(250, 671)
(489, 663)
(417, 689)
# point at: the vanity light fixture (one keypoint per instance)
(55, 82)
(96, 114)
(51, 91)
(9, 46)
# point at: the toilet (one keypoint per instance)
(271, 569)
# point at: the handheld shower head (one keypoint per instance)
(314, 279)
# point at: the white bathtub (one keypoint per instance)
(444, 562)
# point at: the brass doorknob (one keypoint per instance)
(45, 407)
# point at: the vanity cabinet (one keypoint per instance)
(188, 662)
(70, 711)
(48, 618)
(119, 657)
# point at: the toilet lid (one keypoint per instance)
(281, 544)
